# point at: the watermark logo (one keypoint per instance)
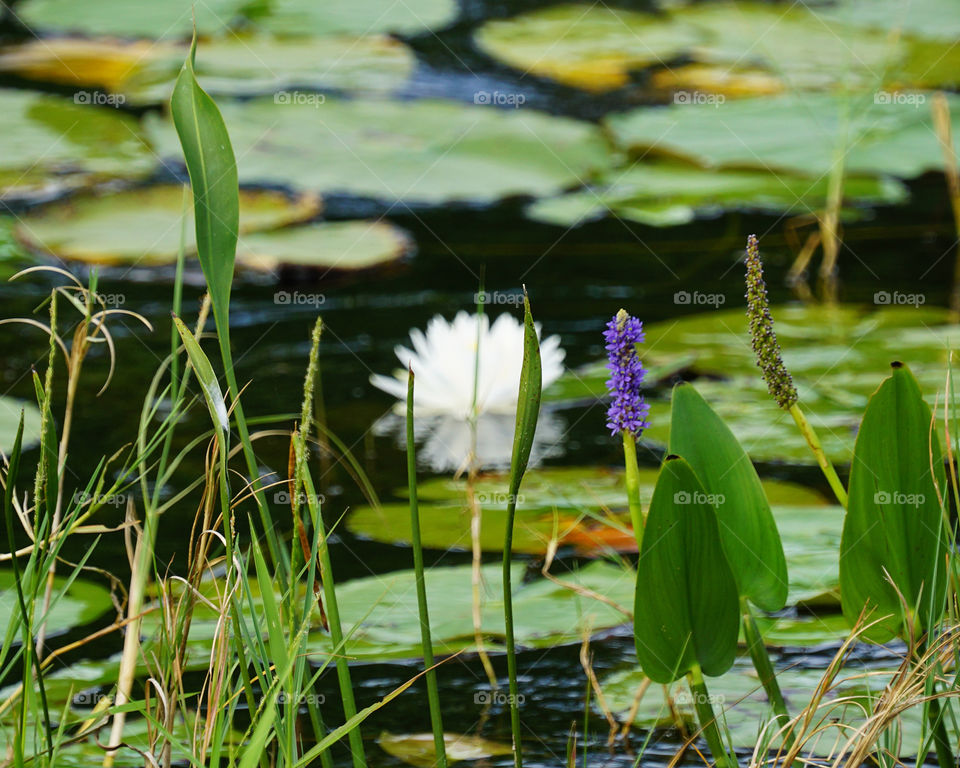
(499, 499)
(100, 500)
(699, 299)
(499, 99)
(297, 298)
(914, 100)
(898, 299)
(302, 700)
(299, 97)
(284, 498)
(689, 698)
(99, 98)
(111, 299)
(500, 698)
(697, 497)
(90, 699)
(883, 498)
(698, 97)
(512, 299)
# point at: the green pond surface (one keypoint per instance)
(403, 172)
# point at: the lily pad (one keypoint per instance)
(797, 133)
(584, 507)
(667, 194)
(926, 19)
(416, 152)
(739, 700)
(356, 17)
(143, 72)
(52, 144)
(837, 355)
(129, 18)
(143, 225)
(593, 47)
(417, 749)
(72, 606)
(333, 245)
(379, 613)
(10, 410)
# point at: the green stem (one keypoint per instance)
(761, 663)
(708, 720)
(433, 694)
(336, 629)
(633, 486)
(814, 442)
(941, 740)
(508, 622)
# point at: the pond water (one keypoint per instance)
(577, 279)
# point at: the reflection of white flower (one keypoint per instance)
(445, 358)
(446, 441)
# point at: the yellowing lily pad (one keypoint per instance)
(593, 47)
(144, 72)
(416, 152)
(143, 225)
(417, 749)
(51, 144)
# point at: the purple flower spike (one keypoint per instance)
(628, 411)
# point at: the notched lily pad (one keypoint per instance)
(72, 606)
(417, 749)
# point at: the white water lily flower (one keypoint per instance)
(445, 358)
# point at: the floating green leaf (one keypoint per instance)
(143, 225)
(357, 17)
(79, 603)
(686, 609)
(892, 555)
(10, 420)
(747, 528)
(52, 144)
(417, 748)
(418, 152)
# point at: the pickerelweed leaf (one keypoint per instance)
(894, 542)
(747, 528)
(686, 610)
(213, 176)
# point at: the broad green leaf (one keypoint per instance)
(52, 144)
(205, 375)
(423, 151)
(357, 17)
(686, 607)
(747, 528)
(213, 176)
(894, 541)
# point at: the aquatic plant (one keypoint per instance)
(627, 412)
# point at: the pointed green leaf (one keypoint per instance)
(213, 176)
(206, 377)
(894, 542)
(747, 528)
(686, 610)
(528, 402)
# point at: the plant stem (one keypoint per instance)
(633, 486)
(814, 442)
(708, 720)
(508, 622)
(761, 663)
(433, 694)
(941, 740)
